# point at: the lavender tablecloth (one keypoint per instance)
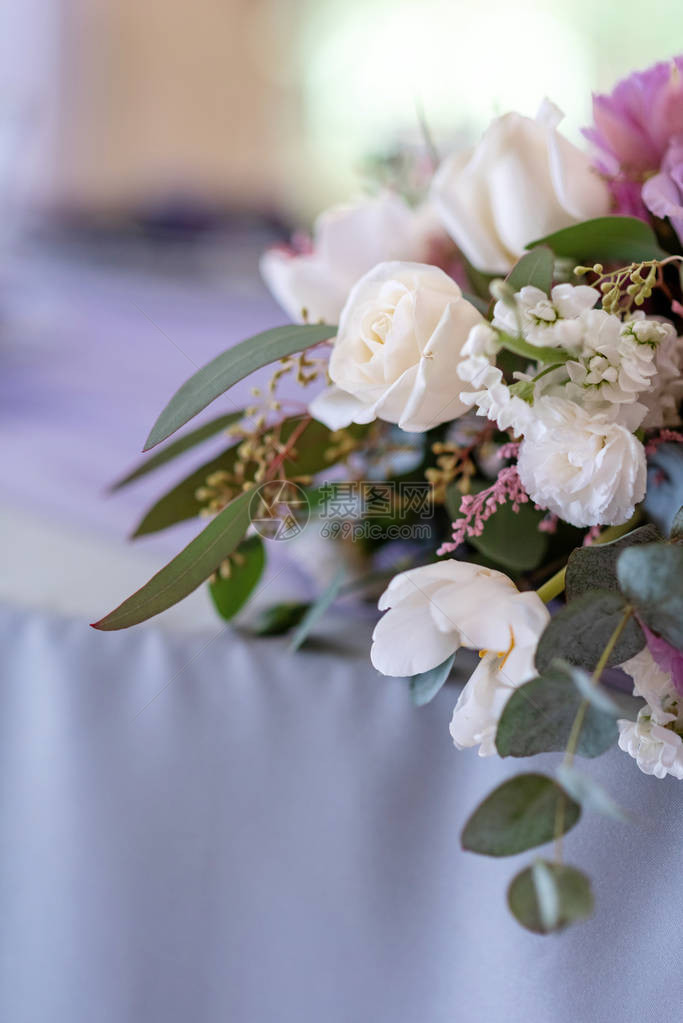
(199, 826)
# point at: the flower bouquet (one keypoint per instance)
(494, 366)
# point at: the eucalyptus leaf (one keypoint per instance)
(230, 594)
(518, 815)
(605, 239)
(219, 375)
(610, 701)
(513, 539)
(580, 632)
(652, 578)
(540, 715)
(677, 526)
(312, 453)
(279, 618)
(595, 567)
(425, 686)
(664, 494)
(536, 889)
(178, 447)
(316, 611)
(535, 268)
(180, 502)
(589, 794)
(186, 571)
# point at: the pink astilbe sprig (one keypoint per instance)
(663, 437)
(591, 536)
(476, 509)
(548, 523)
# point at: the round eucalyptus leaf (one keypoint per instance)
(518, 815)
(595, 567)
(580, 632)
(547, 897)
(652, 578)
(539, 717)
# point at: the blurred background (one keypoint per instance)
(150, 151)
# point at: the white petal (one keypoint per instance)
(336, 409)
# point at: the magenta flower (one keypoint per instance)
(667, 657)
(636, 122)
(663, 193)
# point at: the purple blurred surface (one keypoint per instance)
(90, 352)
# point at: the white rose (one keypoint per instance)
(436, 609)
(347, 241)
(397, 350)
(521, 182)
(585, 468)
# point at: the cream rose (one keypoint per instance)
(397, 350)
(522, 181)
(347, 241)
(434, 610)
(584, 467)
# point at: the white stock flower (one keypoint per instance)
(434, 610)
(522, 181)
(397, 350)
(348, 240)
(584, 468)
(492, 397)
(554, 322)
(654, 740)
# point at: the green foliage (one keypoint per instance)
(311, 455)
(316, 611)
(534, 268)
(219, 375)
(651, 576)
(580, 631)
(677, 526)
(540, 715)
(186, 571)
(279, 618)
(532, 353)
(589, 794)
(619, 240)
(518, 815)
(547, 897)
(513, 539)
(595, 567)
(178, 447)
(180, 502)
(425, 686)
(247, 564)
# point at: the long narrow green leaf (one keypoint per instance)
(312, 454)
(317, 610)
(187, 571)
(228, 368)
(178, 447)
(180, 503)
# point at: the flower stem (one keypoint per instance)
(573, 740)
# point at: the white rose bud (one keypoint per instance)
(522, 181)
(398, 349)
(348, 240)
